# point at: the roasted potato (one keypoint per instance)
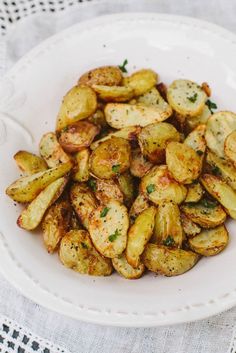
(77, 252)
(168, 262)
(196, 140)
(104, 75)
(79, 103)
(114, 93)
(154, 138)
(31, 217)
(210, 241)
(158, 185)
(206, 213)
(195, 192)
(126, 184)
(221, 192)
(27, 188)
(81, 169)
(108, 226)
(189, 227)
(141, 81)
(51, 151)
(110, 158)
(106, 190)
(154, 99)
(77, 136)
(138, 236)
(168, 228)
(183, 162)
(186, 97)
(193, 121)
(98, 118)
(29, 163)
(139, 165)
(230, 147)
(83, 201)
(122, 266)
(55, 224)
(139, 205)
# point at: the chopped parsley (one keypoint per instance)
(150, 188)
(116, 168)
(169, 241)
(104, 212)
(211, 105)
(199, 152)
(216, 170)
(208, 203)
(92, 184)
(193, 98)
(84, 246)
(65, 129)
(123, 66)
(114, 236)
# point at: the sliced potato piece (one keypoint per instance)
(83, 201)
(79, 103)
(206, 213)
(230, 147)
(108, 226)
(196, 140)
(168, 262)
(168, 228)
(78, 253)
(221, 192)
(27, 188)
(104, 75)
(138, 236)
(114, 93)
(186, 97)
(126, 184)
(139, 205)
(122, 266)
(98, 118)
(107, 190)
(81, 169)
(141, 81)
(77, 136)
(55, 224)
(51, 150)
(110, 158)
(195, 192)
(219, 126)
(31, 217)
(154, 138)
(210, 241)
(29, 163)
(158, 185)
(193, 121)
(189, 227)
(139, 165)
(183, 162)
(154, 99)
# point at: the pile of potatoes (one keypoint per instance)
(136, 176)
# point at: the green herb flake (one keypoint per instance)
(116, 168)
(211, 105)
(199, 152)
(193, 98)
(92, 184)
(113, 236)
(150, 188)
(216, 170)
(169, 241)
(123, 66)
(65, 129)
(84, 246)
(208, 203)
(104, 212)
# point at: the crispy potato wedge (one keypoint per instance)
(120, 115)
(193, 121)
(230, 147)
(108, 226)
(195, 192)
(98, 118)
(139, 234)
(81, 169)
(104, 75)
(78, 253)
(206, 213)
(29, 163)
(168, 228)
(122, 266)
(114, 93)
(55, 224)
(210, 241)
(139, 165)
(141, 81)
(27, 188)
(107, 190)
(139, 205)
(158, 185)
(77, 136)
(31, 217)
(126, 184)
(110, 158)
(183, 162)
(189, 227)
(221, 192)
(79, 103)
(154, 99)
(168, 262)
(186, 97)
(51, 151)
(154, 138)
(219, 126)
(196, 140)
(83, 201)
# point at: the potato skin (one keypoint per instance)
(104, 75)
(121, 265)
(81, 168)
(126, 184)
(107, 190)
(230, 147)
(139, 205)
(110, 158)
(114, 93)
(139, 165)
(141, 81)
(29, 163)
(195, 193)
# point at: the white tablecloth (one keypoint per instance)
(28, 327)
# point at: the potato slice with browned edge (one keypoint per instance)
(108, 226)
(120, 115)
(168, 228)
(139, 165)
(230, 147)
(195, 192)
(196, 140)
(138, 236)
(139, 205)
(104, 75)
(221, 192)
(194, 121)
(206, 213)
(141, 81)
(122, 266)
(126, 184)
(78, 253)
(168, 262)
(186, 97)
(183, 162)
(189, 227)
(98, 118)
(158, 185)
(81, 169)
(79, 103)
(27, 188)
(154, 99)
(29, 163)
(154, 138)
(219, 126)
(77, 136)
(114, 93)
(106, 190)
(210, 241)
(31, 217)
(83, 202)
(51, 150)
(55, 224)
(110, 158)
